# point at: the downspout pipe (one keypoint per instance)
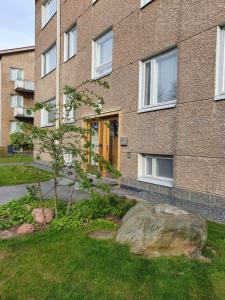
(58, 56)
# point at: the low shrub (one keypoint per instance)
(92, 210)
(101, 206)
(17, 212)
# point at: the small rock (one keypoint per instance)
(6, 234)
(25, 229)
(101, 235)
(39, 218)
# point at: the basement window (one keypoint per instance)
(155, 169)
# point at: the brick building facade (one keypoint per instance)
(164, 61)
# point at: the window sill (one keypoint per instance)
(101, 76)
(69, 58)
(47, 125)
(68, 122)
(170, 104)
(219, 97)
(44, 75)
(162, 182)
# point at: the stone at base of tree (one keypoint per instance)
(25, 229)
(6, 234)
(155, 230)
(39, 218)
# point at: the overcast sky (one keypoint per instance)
(16, 23)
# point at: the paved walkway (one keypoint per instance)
(216, 213)
(7, 193)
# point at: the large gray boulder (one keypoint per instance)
(162, 230)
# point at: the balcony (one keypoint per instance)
(24, 86)
(22, 112)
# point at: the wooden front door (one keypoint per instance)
(105, 140)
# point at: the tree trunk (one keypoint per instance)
(71, 197)
(41, 199)
(56, 197)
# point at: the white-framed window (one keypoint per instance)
(14, 127)
(49, 9)
(49, 60)
(70, 43)
(68, 158)
(68, 112)
(16, 74)
(158, 82)
(155, 169)
(48, 117)
(102, 55)
(16, 101)
(220, 65)
(145, 2)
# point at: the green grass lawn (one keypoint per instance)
(11, 175)
(15, 158)
(69, 265)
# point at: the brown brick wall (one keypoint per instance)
(194, 131)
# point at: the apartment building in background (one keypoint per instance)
(16, 90)
(164, 61)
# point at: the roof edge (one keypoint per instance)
(14, 50)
